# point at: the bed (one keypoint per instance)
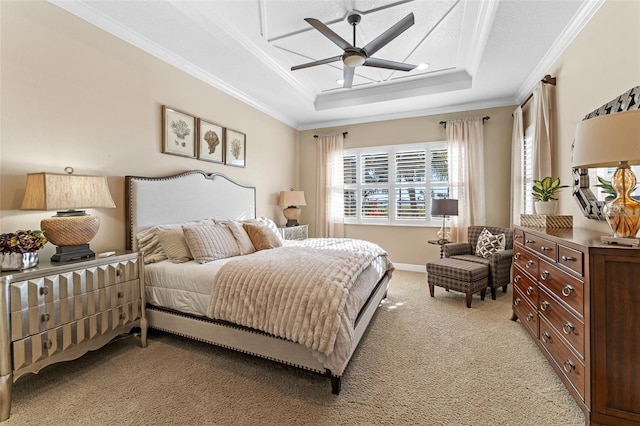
(258, 302)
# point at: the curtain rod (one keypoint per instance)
(486, 117)
(547, 80)
(344, 135)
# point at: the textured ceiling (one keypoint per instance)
(481, 53)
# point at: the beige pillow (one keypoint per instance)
(262, 236)
(241, 236)
(267, 222)
(208, 243)
(174, 245)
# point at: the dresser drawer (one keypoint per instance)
(567, 288)
(51, 288)
(526, 285)
(565, 323)
(50, 315)
(526, 313)
(571, 259)
(542, 246)
(571, 366)
(50, 342)
(526, 260)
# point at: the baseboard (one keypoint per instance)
(409, 267)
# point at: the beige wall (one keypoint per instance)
(601, 63)
(408, 245)
(73, 95)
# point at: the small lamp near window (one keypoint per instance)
(444, 207)
(70, 229)
(292, 199)
(607, 141)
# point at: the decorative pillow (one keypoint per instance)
(208, 243)
(262, 236)
(241, 236)
(174, 245)
(266, 222)
(489, 243)
(149, 244)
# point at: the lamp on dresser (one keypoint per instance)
(292, 199)
(608, 141)
(71, 228)
(444, 207)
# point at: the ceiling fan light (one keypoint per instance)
(340, 82)
(354, 60)
(422, 66)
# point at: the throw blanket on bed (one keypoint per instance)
(297, 293)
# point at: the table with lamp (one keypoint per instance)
(293, 200)
(443, 207)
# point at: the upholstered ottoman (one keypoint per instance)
(458, 275)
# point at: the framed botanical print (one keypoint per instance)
(178, 132)
(235, 154)
(210, 141)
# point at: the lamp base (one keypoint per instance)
(67, 253)
(292, 214)
(292, 222)
(623, 212)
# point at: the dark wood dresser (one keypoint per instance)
(580, 301)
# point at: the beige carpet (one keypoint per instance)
(423, 361)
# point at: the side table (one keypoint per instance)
(300, 232)
(439, 243)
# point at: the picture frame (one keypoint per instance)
(210, 141)
(178, 132)
(235, 151)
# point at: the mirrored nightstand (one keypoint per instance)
(300, 232)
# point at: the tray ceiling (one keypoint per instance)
(480, 53)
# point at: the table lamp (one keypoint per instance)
(444, 207)
(607, 141)
(292, 199)
(70, 229)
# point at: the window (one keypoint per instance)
(394, 184)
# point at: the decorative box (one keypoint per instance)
(546, 221)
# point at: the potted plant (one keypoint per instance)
(19, 250)
(544, 192)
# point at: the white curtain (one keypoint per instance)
(465, 146)
(329, 190)
(542, 105)
(517, 141)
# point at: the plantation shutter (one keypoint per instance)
(375, 179)
(410, 178)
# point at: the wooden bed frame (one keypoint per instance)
(195, 195)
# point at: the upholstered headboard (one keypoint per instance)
(184, 197)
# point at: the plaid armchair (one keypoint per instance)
(499, 263)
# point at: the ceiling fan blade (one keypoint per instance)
(393, 32)
(328, 33)
(318, 62)
(348, 77)
(390, 65)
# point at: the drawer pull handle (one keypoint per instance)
(568, 258)
(123, 316)
(517, 237)
(44, 290)
(45, 317)
(529, 264)
(567, 290)
(120, 295)
(567, 328)
(544, 275)
(517, 279)
(48, 344)
(516, 256)
(546, 337)
(517, 301)
(529, 241)
(118, 272)
(544, 306)
(568, 366)
(530, 290)
(529, 316)
(545, 248)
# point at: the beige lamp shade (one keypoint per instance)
(292, 198)
(71, 229)
(53, 191)
(606, 140)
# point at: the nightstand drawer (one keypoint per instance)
(300, 232)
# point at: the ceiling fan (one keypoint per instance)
(355, 56)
